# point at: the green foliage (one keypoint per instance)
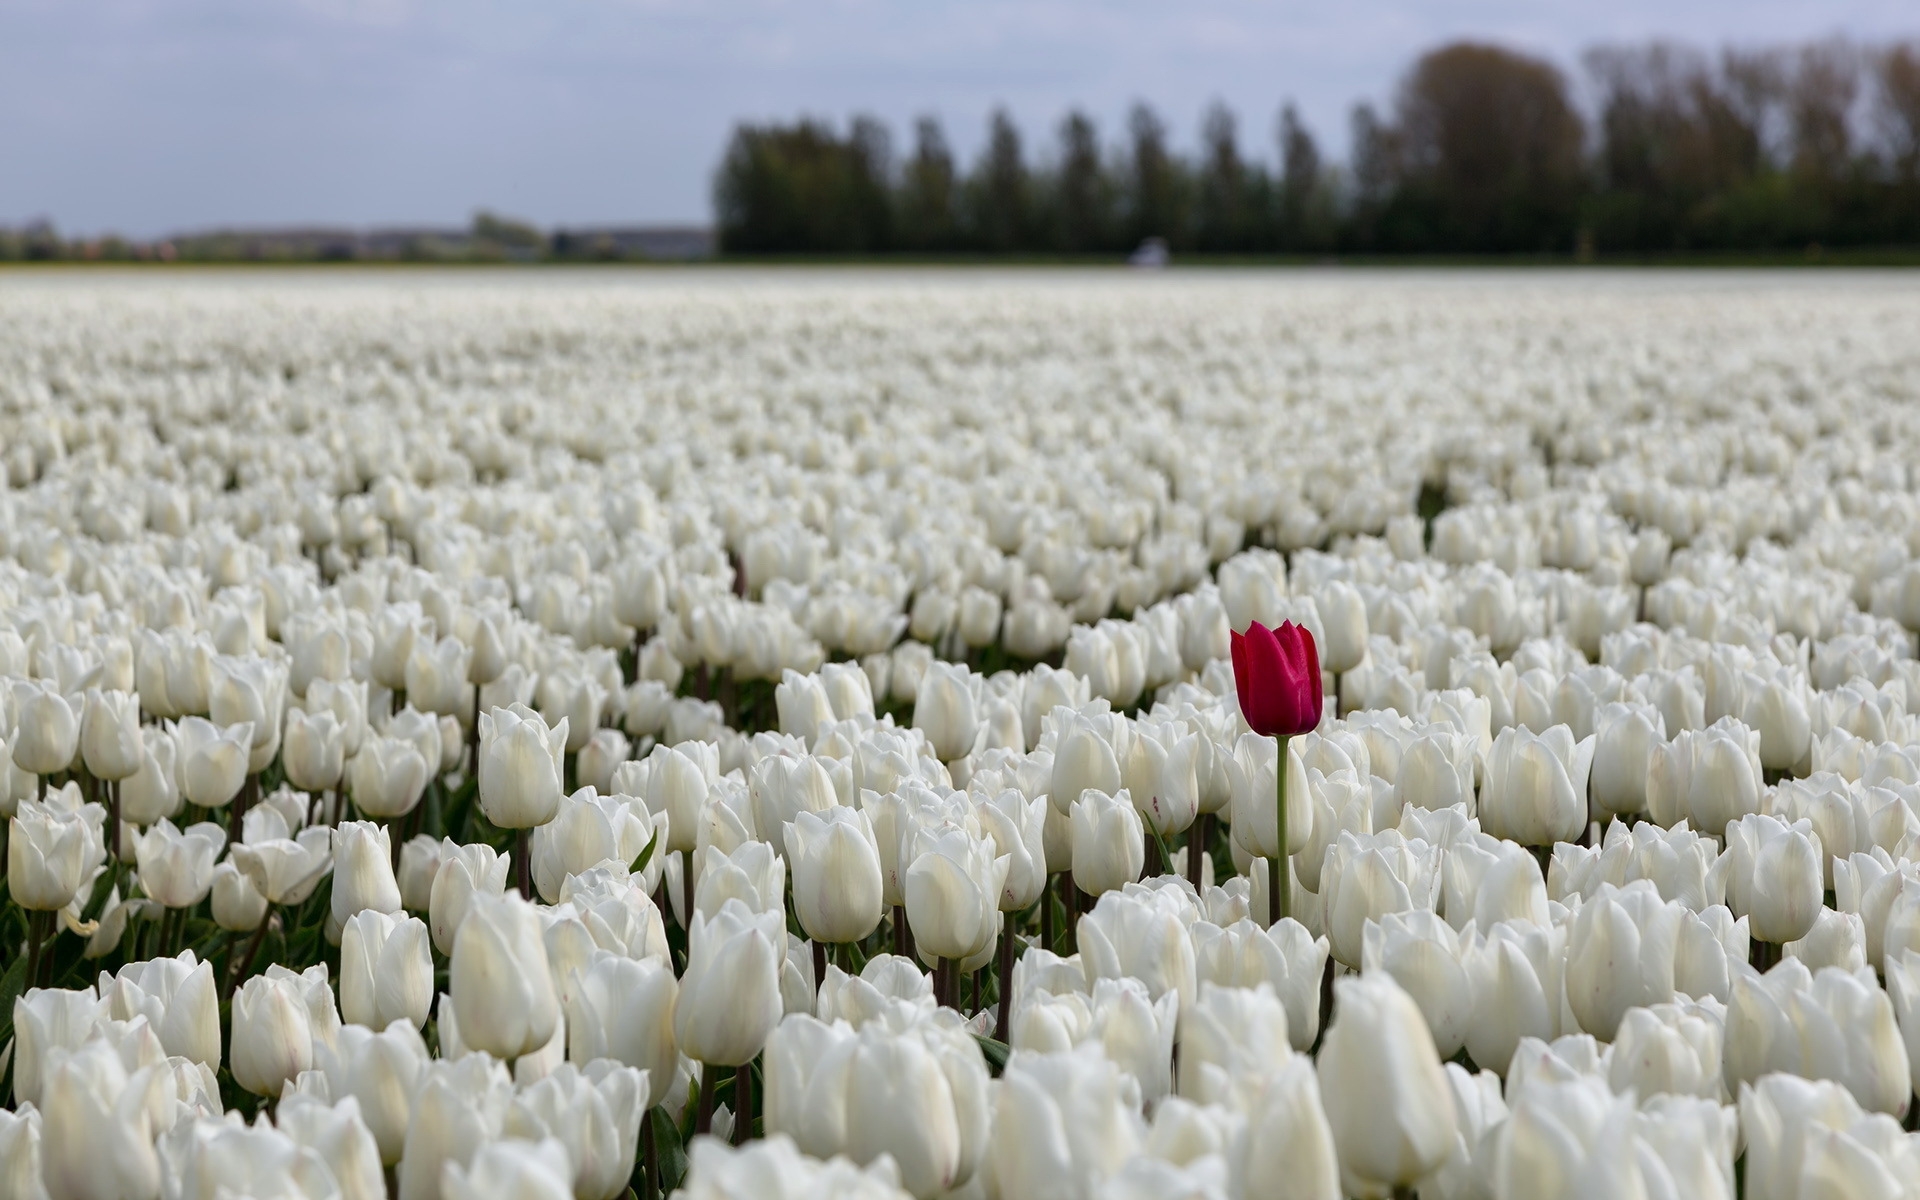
(1482, 152)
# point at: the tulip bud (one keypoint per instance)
(382, 1072)
(594, 765)
(622, 1009)
(1063, 1124)
(1018, 828)
(460, 1107)
(1366, 877)
(238, 906)
(436, 676)
(1423, 955)
(1512, 967)
(520, 767)
(1830, 1025)
(1082, 759)
(1162, 780)
(336, 1135)
(1285, 957)
(386, 970)
(837, 886)
(395, 629)
(952, 890)
(503, 995)
(594, 1113)
(1109, 845)
(1536, 786)
(272, 1034)
(46, 729)
(1624, 739)
(729, 997)
(945, 710)
(1231, 1032)
(1774, 877)
(1620, 953)
(20, 1171)
(1710, 777)
(1276, 673)
(419, 863)
(1140, 934)
(212, 761)
(1668, 1048)
(176, 867)
(313, 750)
(388, 776)
(153, 791)
(1386, 1095)
(110, 742)
(1255, 805)
(1286, 1137)
(97, 1124)
(464, 873)
(781, 788)
(177, 997)
(588, 829)
(52, 853)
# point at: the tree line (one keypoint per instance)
(1482, 150)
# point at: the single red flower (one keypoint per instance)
(1277, 673)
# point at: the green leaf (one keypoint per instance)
(996, 1053)
(671, 1148)
(646, 855)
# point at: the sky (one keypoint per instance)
(146, 117)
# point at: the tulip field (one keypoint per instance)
(1068, 736)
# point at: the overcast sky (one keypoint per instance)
(150, 116)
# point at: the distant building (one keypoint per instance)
(670, 243)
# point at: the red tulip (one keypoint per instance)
(1277, 673)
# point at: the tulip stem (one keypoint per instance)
(1196, 851)
(473, 735)
(522, 852)
(649, 1150)
(686, 896)
(1046, 920)
(743, 1103)
(819, 965)
(703, 1122)
(113, 816)
(253, 948)
(1279, 879)
(1006, 977)
(36, 930)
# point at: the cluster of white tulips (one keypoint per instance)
(780, 737)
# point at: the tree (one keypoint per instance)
(1306, 214)
(1155, 203)
(1491, 148)
(802, 189)
(1002, 190)
(928, 209)
(1230, 189)
(1821, 93)
(1897, 107)
(1082, 193)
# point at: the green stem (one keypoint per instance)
(253, 949)
(36, 930)
(703, 1122)
(1279, 879)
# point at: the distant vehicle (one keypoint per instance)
(1150, 255)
